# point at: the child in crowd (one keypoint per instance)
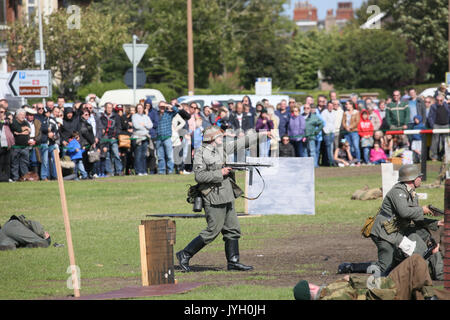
(416, 139)
(365, 131)
(286, 148)
(343, 157)
(377, 154)
(75, 152)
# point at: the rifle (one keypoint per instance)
(241, 166)
(436, 212)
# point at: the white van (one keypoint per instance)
(125, 96)
(206, 100)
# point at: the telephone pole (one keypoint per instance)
(190, 46)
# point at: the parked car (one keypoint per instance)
(125, 96)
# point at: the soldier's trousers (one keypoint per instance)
(14, 234)
(221, 219)
(389, 255)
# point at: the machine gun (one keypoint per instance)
(242, 166)
(436, 211)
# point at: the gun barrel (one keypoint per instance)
(246, 165)
(436, 211)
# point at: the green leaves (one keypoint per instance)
(367, 59)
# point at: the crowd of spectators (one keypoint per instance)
(113, 139)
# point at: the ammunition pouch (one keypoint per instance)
(391, 226)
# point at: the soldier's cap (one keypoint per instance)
(302, 291)
(212, 133)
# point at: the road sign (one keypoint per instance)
(30, 83)
(141, 78)
(138, 53)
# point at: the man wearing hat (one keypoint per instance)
(392, 231)
(410, 280)
(35, 138)
(218, 190)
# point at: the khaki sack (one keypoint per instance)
(367, 227)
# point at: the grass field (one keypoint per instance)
(105, 214)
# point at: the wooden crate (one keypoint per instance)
(396, 161)
(156, 238)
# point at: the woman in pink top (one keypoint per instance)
(377, 155)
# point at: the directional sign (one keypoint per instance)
(30, 83)
(138, 53)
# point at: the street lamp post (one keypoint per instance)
(190, 46)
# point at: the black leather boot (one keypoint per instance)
(347, 267)
(232, 254)
(187, 253)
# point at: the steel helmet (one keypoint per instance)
(211, 133)
(408, 172)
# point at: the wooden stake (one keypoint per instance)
(62, 193)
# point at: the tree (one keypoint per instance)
(424, 24)
(73, 53)
(367, 59)
(306, 51)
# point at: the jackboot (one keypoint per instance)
(232, 254)
(189, 251)
(347, 267)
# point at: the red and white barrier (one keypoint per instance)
(423, 131)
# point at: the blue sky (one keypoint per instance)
(323, 5)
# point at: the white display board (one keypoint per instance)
(289, 187)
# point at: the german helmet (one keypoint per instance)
(408, 172)
(211, 133)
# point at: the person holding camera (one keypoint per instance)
(49, 137)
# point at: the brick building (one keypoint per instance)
(305, 16)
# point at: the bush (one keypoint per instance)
(99, 88)
(168, 92)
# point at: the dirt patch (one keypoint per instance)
(283, 262)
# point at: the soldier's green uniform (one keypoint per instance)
(218, 193)
(400, 215)
(19, 232)
(409, 280)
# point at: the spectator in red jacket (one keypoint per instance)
(365, 131)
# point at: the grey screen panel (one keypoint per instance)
(289, 186)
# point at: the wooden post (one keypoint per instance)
(157, 238)
(62, 193)
(447, 235)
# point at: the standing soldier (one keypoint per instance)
(393, 228)
(218, 190)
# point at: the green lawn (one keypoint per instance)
(105, 215)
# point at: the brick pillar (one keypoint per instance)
(447, 235)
